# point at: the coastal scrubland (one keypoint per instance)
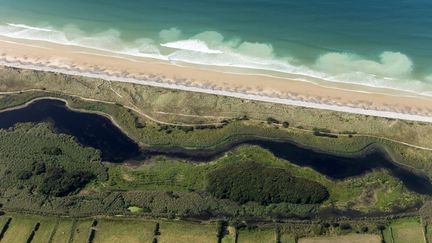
(41, 176)
(164, 117)
(50, 175)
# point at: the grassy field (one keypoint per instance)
(184, 232)
(80, 230)
(19, 229)
(405, 230)
(256, 235)
(3, 220)
(21, 226)
(287, 238)
(351, 238)
(123, 230)
(63, 231)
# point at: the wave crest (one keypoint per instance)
(191, 45)
(23, 26)
(391, 64)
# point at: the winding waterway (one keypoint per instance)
(97, 131)
(89, 129)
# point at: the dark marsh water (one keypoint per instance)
(89, 129)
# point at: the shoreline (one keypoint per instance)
(67, 60)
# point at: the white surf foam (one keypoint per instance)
(392, 70)
(108, 41)
(191, 45)
(23, 26)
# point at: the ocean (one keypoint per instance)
(385, 43)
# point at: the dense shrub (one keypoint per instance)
(323, 132)
(271, 120)
(39, 168)
(24, 175)
(58, 182)
(52, 151)
(251, 181)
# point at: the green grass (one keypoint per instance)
(3, 220)
(185, 232)
(81, 230)
(287, 238)
(134, 209)
(405, 230)
(22, 225)
(45, 231)
(158, 174)
(257, 235)
(63, 231)
(123, 230)
(429, 232)
(350, 238)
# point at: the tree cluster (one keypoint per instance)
(58, 182)
(250, 181)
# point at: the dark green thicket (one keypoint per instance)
(271, 120)
(35, 161)
(250, 181)
(52, 151)
(58, 182)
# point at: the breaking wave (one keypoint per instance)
(191, 45)
(389, 70)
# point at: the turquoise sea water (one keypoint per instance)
(385, 43)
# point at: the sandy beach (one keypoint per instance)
(295, 90)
